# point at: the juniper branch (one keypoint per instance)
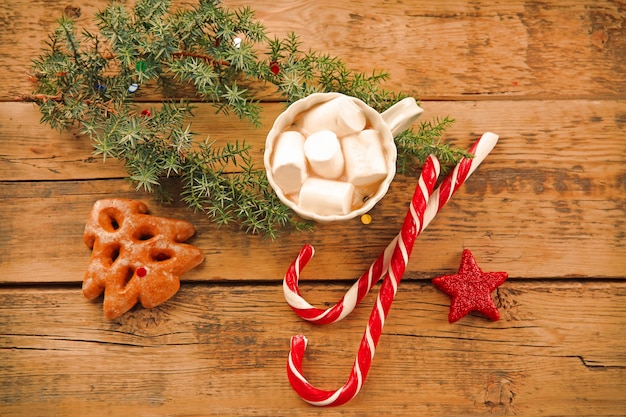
(86, 80)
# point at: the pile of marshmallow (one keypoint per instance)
(328, 161)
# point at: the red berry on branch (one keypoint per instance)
(274, 67)
(146, 113)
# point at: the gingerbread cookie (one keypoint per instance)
(136, 257)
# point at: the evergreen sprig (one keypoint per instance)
(87, 80)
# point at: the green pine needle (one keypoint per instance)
(83, 80)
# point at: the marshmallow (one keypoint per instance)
(323, 151)
(289, 164)
(340, 115)
(326, 197)
(364, 157)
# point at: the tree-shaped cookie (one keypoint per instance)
(136, 257)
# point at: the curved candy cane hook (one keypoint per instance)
(380, 266)
(411, 228)
(348, 302)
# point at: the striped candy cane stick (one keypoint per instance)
(411, 228)
(481, 148)
(379, 267)
(348, 302)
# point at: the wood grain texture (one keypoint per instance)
(548, 206)
(586, 241)
(548, 202)
(221, 350)
(446, 49)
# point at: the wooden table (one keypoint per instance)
(548, 206)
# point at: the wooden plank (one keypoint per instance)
(452, 49)
(570, 135)
(527, 238)
(435, 50)
(221, 350)
(30, 150)
(548, 202)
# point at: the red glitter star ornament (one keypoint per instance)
(470, 289)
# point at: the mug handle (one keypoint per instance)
(401, 115)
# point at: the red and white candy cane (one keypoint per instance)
(348, 302)
(411, 228)
(379, 267)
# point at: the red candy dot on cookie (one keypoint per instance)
(141, 272)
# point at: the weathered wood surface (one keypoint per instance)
(547, 203)
(548, 206)
(221, 351)
(445, 49)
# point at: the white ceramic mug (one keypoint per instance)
(334, 112)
